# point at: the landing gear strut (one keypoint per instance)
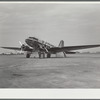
(48, 55)
(41, 54)
(28, 54)
(64, 54)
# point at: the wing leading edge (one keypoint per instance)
(61, 49)
(13, 48)
(70, 48)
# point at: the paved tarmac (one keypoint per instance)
(75, 71)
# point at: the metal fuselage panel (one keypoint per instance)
(32, 44)
(37, 44)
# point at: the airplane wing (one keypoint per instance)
(70, 48)
(13, 48)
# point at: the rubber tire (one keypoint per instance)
(48, 55)
(27, 55)
(39, 55)
(43, 55)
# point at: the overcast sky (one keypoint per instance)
(76, 24)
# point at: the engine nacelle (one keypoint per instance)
(25, 48)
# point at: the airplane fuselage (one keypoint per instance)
(37, 44)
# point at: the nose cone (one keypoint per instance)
(29, 42)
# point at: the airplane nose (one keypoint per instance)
(26, 40)
(29, 42)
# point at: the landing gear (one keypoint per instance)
(64, 54)
(41, 54)
(28, 54)
(48, 55)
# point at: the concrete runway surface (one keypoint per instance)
(75, 71)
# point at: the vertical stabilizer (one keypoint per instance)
(61, 44)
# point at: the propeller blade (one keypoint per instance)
(20, 43)
(21, 46)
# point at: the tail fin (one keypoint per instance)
(61, 44)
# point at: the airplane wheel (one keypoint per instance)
(48, 55)
(43, 55)
(39, 55)
(27, 55)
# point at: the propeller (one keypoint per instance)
(24, 47)
(20, 43)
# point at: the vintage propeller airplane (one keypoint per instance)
(43, 48)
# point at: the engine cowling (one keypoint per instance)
(25, 48)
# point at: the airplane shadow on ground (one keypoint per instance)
(60, 57)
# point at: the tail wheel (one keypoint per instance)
(28, 55)
(48, 55)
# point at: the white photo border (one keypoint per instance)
(49, 93)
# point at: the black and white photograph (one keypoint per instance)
(49, 45)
